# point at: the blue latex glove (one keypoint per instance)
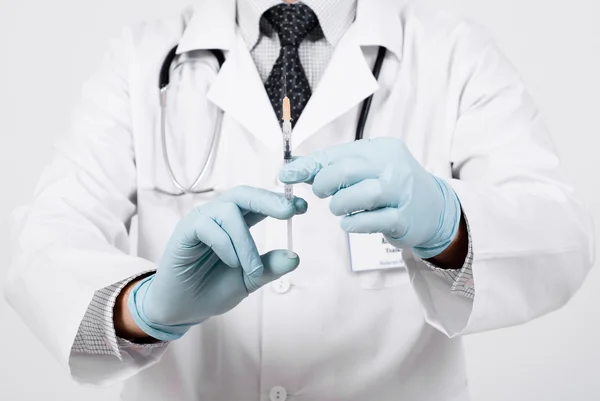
(211, 263)
(379, 187)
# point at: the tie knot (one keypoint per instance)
(292, 22)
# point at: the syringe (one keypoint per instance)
(287, 157)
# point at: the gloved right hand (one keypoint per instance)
(211, 263)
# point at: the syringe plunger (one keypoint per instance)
(287, 109)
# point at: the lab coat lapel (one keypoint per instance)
(347, 81)
(239, 91)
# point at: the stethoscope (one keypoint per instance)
(163, 86)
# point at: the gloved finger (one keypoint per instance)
(342, 174)
(389, 221)
(300, 204)
(305, 168)
(229, 216)
(276, 264)
(367, 195)
(261, 201)
(253, 219)
(196, 229)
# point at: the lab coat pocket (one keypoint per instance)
(380, 279)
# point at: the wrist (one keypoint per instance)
(123, 322)
(136, 304)
(449, 224)
(455, 255)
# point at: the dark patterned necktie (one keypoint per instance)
(292, 22)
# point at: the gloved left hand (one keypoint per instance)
(211, 263)
(379, 187)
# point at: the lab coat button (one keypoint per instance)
(278, 393)
(281, 286)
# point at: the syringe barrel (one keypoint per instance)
(287, 140)
(289, 192)
(287, 152)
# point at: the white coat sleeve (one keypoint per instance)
(532, 241)
(72, 239)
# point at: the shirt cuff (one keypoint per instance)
(96, 334)
(462, 279)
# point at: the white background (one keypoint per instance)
(47, 48)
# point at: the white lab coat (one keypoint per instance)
(323, 333)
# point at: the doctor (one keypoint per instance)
(451, 217)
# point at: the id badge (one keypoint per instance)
(373, 252)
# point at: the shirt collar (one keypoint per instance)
(213, 24)
(335, 17)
